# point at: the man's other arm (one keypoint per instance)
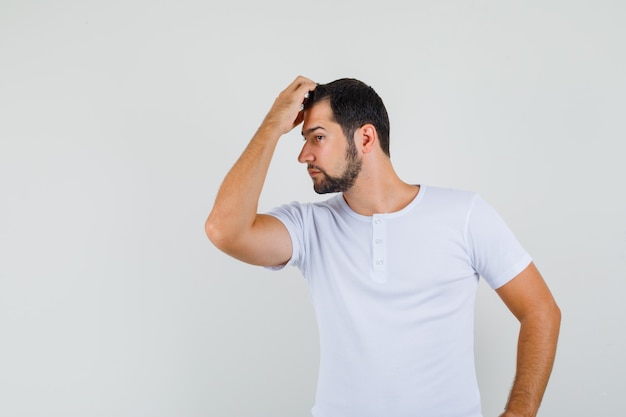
(530, 300)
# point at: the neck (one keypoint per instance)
(379, 190)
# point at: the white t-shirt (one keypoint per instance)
(394, 299)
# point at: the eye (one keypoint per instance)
(314, 138)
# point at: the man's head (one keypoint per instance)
(354, 104)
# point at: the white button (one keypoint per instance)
(379, 262)
(378, 241)
(377, 221)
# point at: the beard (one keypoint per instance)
(343, 182)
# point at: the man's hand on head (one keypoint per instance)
(287, 110)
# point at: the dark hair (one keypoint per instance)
(354, 104)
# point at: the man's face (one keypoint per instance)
(332, 161)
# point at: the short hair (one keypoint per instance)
(354, 104)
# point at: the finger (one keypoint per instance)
(303, 85)
(302, 81)
(299, 119)
(302, 91)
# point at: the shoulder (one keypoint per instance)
(448, 192)
(308, 209)
(448, 198)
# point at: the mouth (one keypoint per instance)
(313, 172)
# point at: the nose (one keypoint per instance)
(306, 156)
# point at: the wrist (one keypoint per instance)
(271, 127)
(275, 126)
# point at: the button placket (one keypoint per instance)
(378, 249)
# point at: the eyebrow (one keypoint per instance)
(311, 130)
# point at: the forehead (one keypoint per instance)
(319, 115)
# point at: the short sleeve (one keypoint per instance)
(495, 252)
(293, 216)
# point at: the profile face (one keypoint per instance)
(332, 161)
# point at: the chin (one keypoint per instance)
(323, 189)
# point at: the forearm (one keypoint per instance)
(236, 203)
(535, 356)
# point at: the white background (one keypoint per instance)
(119, 119)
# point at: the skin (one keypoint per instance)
(325, 139)
(370, 185)
(530, 301)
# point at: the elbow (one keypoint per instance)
(546, 316)
(221, 234)
(556, 314)
(213, 231)
(553, 323)
(550, 318)
(553, 313)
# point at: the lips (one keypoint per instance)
(313, 171)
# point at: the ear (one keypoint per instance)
(367, 137)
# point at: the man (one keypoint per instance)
(392, 267)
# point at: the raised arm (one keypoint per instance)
(530, 300)
(234, 226)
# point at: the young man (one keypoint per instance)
(392, 267)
